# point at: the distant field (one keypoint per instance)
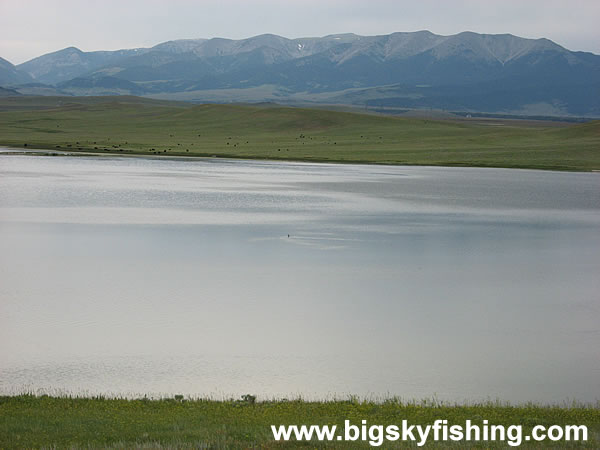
(131, 125)
(62, 422)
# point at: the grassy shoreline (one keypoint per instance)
(49, 151)
(28, 421)
(134, 126)
(83, 153)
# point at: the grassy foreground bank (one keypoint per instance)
(131, 125)
(61, 422)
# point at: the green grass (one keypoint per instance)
(130, 125)
(63, 422)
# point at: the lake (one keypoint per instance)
(212, 277)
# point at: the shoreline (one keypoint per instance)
(426, 402)
(50, 152)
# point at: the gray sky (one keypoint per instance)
(30, 28)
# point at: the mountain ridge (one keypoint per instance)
(334, 63)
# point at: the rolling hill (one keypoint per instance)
(125, 125)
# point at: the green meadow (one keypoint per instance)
(28, 421)
(131, 125)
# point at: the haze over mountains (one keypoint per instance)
(463, 72)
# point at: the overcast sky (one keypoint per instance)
(30, 28)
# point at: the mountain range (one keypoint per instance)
(462, 72)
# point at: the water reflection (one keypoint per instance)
(219, 278)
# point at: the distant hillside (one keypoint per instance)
(8, 92)
(466, 71)
(100, 86)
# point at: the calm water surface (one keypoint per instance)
(131, 276)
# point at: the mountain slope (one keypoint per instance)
(10, 75)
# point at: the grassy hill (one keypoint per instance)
(132, 125)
